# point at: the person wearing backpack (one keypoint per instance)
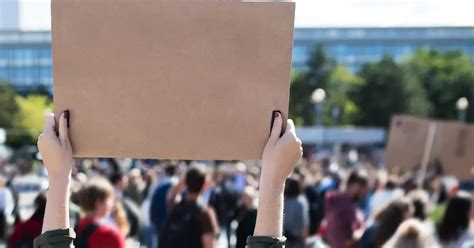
(96, 199)
(189, 224)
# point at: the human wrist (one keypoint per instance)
(59, 182)
(270, 178)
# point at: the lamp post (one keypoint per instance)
(461, 105)
(317, 98)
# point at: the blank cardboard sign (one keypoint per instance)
(176, 80)
(453, 144)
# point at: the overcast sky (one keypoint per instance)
(330, 13)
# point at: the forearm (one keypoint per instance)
(57, 205)
(270, 208)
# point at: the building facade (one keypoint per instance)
(25, 57)
(355, 46)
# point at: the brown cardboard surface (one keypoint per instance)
(453, 145)
(406, 141)
(177, 80)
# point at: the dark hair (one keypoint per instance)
(292, 187)
(358, 177)
(170, 170)
(116, 177)
(389, 218)
(195, 179)
(391, 183)
(456, 217)
(40, 205)
(420, 209)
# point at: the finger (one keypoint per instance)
(276, 128)
(49, 124)
(290, 127)
(63, 127)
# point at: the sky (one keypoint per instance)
(384, 13)
(35, 14)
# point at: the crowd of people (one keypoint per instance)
(142, 200)
(328, 202)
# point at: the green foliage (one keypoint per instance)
(446, 77)
(336, 80)
(31, 115)
(303, 85)
(382, 93)
(339, 109)
(8, 106)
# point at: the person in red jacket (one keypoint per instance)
(25, 232)
(97, 200)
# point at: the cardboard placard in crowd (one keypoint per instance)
(171, 79)
(453, 145)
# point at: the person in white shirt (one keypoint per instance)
(6, 206)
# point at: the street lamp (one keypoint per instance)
(317, 98)
(462, 104)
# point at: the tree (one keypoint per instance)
(381, 94)
(304, 83)
(339, 109)
(8, 105)
(446, 77)
(31, 113)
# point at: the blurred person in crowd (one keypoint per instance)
(148, 231)
(439, 197)
(223, 198)
(119, 218)
(158, 204)
(342, 217)
(96, 199)
(149, 180)
(246, 216)
(188, 217)
(453, 231)
(296, 214)
(7, 205)
(25, 232)
(26, 187)
(421, 204)
(316, 194)
(135, 187)
(411, 234)
(384, 195)
(120, 183)
(386, 223)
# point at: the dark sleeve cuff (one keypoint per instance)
(265, 242)
(60, 238)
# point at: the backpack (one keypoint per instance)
(182, 227)
(82, 240)
(25, 242)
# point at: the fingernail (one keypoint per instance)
(276, 113)
(66, 115)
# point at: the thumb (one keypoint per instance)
(276, 128)
(63, 127)
(49, 124)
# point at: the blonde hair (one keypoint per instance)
(411, 234)
(120, 217)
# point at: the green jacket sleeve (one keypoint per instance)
(265, 242)
(59, 238)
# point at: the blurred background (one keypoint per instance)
(355, 64)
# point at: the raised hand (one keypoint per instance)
(56, 150)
